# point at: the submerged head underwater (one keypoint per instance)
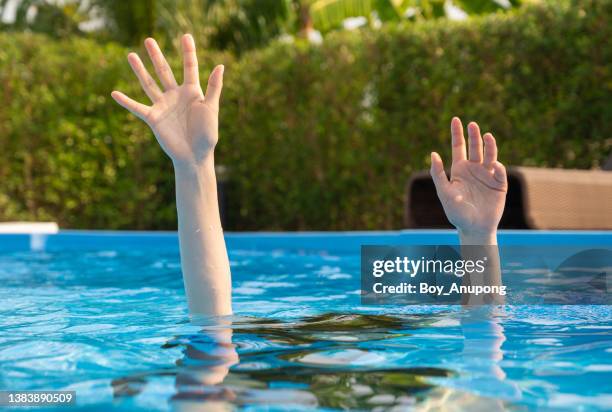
(336, 116)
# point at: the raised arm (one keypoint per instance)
(474, 200)
(185, 123)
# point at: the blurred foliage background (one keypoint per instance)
(321, 123)
(236, 25)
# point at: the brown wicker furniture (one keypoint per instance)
(538, 198)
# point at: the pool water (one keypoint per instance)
(105, 314)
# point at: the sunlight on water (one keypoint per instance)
(112, 325)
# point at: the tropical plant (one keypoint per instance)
(330, 14)
(125, 21)
(58, 20)
(236, 25)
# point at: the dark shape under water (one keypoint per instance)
(334, 327)
(287, 373)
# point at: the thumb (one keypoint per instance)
(215, 84)
(500, 174)
(437, 173)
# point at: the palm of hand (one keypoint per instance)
(184, 123)
(475, 196)
(473, 186)
(183, 119)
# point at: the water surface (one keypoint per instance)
(111, 323)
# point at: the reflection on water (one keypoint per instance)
(113, 326)
(328, 361)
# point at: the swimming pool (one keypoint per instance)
(104, 314)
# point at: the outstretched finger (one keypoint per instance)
(162, 68)
(190, 60)
(215, 84)
(458, 140)
(490, 150)
(475, 142)
(146, 81)
(438, 175)
(138, 109)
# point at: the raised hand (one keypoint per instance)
(474, 198)
(185, 123)
(183, 119)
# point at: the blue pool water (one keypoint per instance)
(104, 314)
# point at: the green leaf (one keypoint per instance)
(478, 6)
(329, 14)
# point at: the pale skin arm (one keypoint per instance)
(185, 123)
(474, 198)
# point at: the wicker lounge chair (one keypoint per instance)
(538, 198)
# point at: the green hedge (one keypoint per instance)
(69, 153)
(314, 137)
